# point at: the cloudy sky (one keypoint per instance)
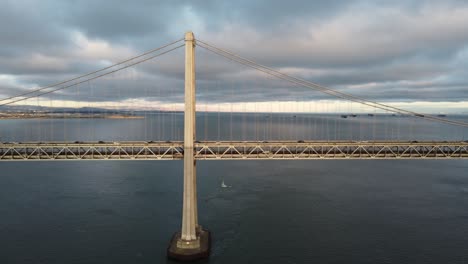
(412, 54)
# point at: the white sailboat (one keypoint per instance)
(224, 185)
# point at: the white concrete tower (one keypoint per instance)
(193, 242)
(189, 214)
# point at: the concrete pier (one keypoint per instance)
(192, 243)
(177, 251)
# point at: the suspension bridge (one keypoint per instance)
(173, 136)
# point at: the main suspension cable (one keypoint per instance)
(92, 73)
(93, 78)
(305, 83)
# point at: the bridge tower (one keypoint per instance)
(192, 242)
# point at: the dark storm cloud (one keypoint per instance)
(399, 50)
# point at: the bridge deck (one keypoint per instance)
(234, 150)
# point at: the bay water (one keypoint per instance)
(275, 211)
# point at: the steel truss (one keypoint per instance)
(91, 151)
(234, 150)
(332, 150)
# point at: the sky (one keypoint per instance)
(411, 54)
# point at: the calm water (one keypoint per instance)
(275, 212)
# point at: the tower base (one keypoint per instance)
(190, 253)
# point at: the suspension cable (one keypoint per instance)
(93, 78)
(94, 72)
(317, 86)
(305, 83)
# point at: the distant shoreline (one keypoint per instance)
(66, 116)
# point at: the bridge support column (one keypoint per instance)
(192, 243)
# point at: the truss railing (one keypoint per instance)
(234, 150)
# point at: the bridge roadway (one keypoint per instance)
(234, 150)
